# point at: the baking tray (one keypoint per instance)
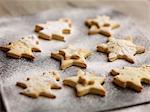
(13, 70)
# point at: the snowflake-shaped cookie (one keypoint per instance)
(86, 83)
(57, 30)
(121, 49)
(23, 47)
(132, 77)
(101, 25)
(71, 56)
(40, 85)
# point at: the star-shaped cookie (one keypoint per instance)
(40, 85)
(101, 25)
(86, 83)
(121, 49)
(132, 77)
(57, 30)
(71, 56)
(23, 47)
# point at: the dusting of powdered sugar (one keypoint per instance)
(13, 70)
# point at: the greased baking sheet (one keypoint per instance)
(13, 70)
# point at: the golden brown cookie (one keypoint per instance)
(132, 77)
(23, 47)
(71, 56)
(57, 30)
(40, 85)
(86, 83)
(101, 25)
(121, 49)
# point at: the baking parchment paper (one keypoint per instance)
(13, 70)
